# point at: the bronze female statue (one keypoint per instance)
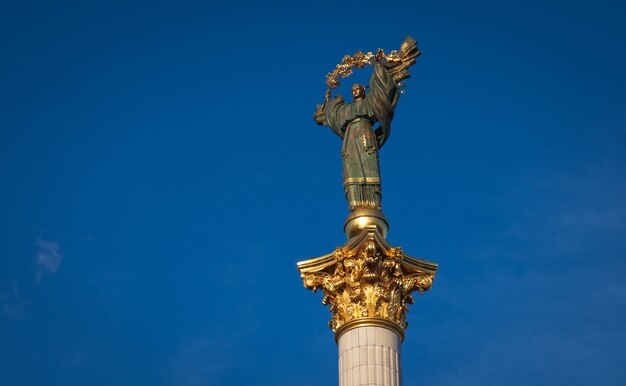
(354, 122)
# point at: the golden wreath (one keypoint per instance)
(397, 62)
(359, 60)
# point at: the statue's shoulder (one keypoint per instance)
(337, 99)
(334, 103)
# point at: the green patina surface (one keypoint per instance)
(354, 122)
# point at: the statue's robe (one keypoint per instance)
(354, 122)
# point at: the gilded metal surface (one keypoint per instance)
(361, 218)
(369, 322)
(367, 278)
(361, 180)
(397, 61)
(352, 204)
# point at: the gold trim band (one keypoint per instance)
(361, 180)
(369, 322)
(364, 204)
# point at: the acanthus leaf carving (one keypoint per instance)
(367, 278)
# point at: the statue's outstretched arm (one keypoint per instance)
(327, 114)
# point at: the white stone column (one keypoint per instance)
(369, 356)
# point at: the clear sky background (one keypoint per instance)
(161, 175)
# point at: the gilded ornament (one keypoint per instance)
(367, 278)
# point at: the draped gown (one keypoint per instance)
(354, 122)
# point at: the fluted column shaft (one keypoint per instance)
(369, 356)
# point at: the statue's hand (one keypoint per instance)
(319, 116)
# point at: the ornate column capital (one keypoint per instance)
(367, 282)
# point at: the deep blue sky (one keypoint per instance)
(161, 175)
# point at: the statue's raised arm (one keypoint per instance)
(354, 122)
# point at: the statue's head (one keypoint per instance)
(358, 91)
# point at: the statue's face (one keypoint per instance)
(358, 91)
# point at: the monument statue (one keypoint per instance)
(367, 282)
(354, 122)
